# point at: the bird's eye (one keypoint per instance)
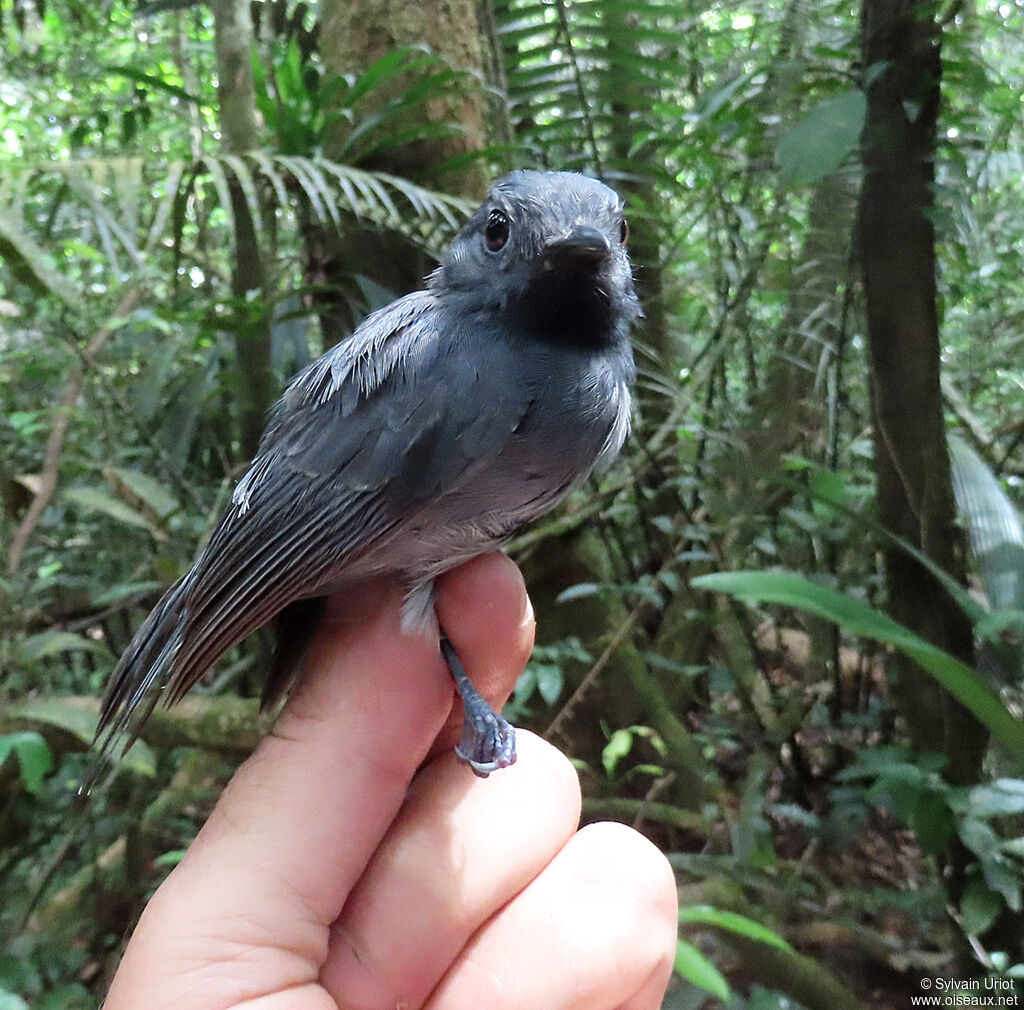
(496, 230)
(623, 231)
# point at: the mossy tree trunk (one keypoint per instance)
(901, 47)
(901, 43)
(240, 134)
(353, 36)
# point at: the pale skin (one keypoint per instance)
(353, 862)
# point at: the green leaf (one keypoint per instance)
(578, 592)
(549, 681)
(932, 821)
(152, 81)
(620, 744)
(34, 757)
(94, 499)
(993, 527)
(791, 590)
(79, 719)
(980, 906)
(50, 643)
(122, 590)
(734, 922)
(147, 490)
(817, 145)
(714, 102)
(829, 488)
(248, 187)
(1002, 797)
(693, 966)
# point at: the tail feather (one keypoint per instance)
(246, 575)
(143, 670)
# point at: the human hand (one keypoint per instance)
(353, 862)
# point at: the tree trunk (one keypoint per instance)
(353, 36)
(901, 47)
(240, 133)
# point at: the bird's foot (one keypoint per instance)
(488, 741)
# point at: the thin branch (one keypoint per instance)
(581, 92)
(625, 627)
(58, 431)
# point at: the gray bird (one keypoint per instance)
(448, 419)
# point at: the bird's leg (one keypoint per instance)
(488, 741)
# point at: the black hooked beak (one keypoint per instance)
(584, 246)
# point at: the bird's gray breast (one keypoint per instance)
(575, 414)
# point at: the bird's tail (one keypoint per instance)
(140, 678)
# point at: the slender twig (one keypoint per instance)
(624, 628)
(581, 94)
(58, 431)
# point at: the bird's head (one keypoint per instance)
(548, 250)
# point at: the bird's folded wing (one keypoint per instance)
(367, 434)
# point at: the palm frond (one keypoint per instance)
(565, 62)
(243, 175)
(32, 265)
(131, 208)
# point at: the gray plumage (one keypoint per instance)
(448, 419)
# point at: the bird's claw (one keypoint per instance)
(488, 743)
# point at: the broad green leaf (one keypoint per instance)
(996, 537)
(147, 489)
(34, 757)
(993, 527)
(817, 145)
(791, 590)
(50, 643)
(712, 103)
(79, 719)
(734, 922)
(996, 799)
(980, 906)
(67, 714)
(830, 489)
(932, 821)
(978, 836)
(94, 499)
(693, 966)
(549, 681)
